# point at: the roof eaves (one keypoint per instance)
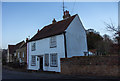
(46, 37)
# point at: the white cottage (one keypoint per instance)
(62, 39)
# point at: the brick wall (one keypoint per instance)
(92, 65)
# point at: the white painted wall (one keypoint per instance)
(76, 46)
(42, 48)
(76, 38)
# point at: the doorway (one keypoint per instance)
(41, 62)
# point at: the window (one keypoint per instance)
(33, 47)
(46, 59)
(33, 61)
(23, 54)
(15, 54)
(53, 60)
(18, 54)
(20, 60)
(85, 53)
(53, 42)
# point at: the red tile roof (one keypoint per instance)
(53, 29)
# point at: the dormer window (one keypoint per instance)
(33, 47)
(53, 43)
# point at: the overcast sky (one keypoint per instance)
(20, 20)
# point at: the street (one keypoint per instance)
(9, 74)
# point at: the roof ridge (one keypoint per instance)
(53, 29)
(60, 20)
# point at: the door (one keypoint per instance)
(41, 63)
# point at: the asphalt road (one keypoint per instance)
(9, 74)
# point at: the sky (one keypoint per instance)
(23, 19)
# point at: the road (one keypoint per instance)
(9, 74)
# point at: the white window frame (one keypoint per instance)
(18, 55)
(15, 54)
(20, 60)
(53, 60)
(33, 46)
(53, 42)
(23, 54)
(33, 60)
(46, 59)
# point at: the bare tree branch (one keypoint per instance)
(111, 27)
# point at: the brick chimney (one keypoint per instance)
(26, 39)
(38, 31)
(66, 14)
(54, 21)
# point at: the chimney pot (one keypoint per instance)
(54, 21)
(66, 14)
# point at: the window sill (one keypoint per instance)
(53, 46)
(33, 65)
(32, 50)
(46, 66)
(53, 66)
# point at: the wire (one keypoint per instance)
(73, 7)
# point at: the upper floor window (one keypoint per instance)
(53, 43)
(33, 46)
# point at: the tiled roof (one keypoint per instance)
(53, 29)
(24, 45)
(12, 48)
(18, 45)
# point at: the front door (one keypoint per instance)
(41, 63)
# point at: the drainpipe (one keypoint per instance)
(65, 44)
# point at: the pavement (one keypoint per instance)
(13, 74)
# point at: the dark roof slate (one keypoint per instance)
(13, 48)
(24, 45)
(53, 29)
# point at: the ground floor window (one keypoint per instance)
(33, 60)
(23, 54)
(46, 59)
(53, 60)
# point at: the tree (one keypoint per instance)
(110, 27)
(107, 43)
(93, 38)
(102, 44)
